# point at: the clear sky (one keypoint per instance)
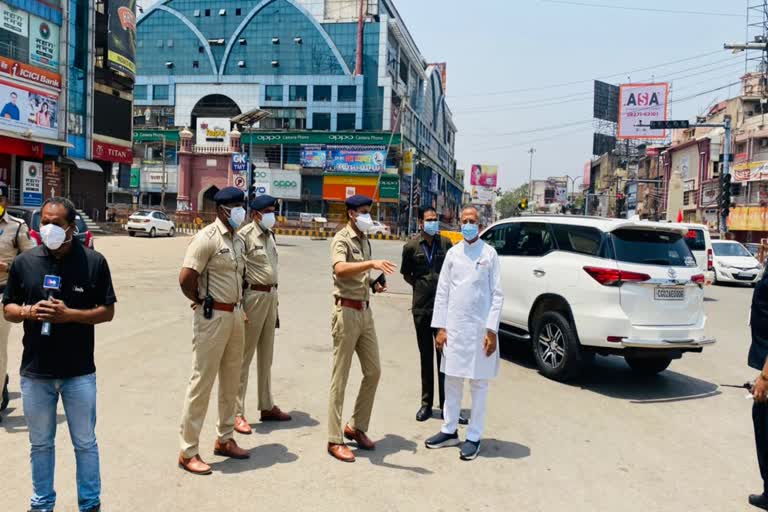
(494, 46)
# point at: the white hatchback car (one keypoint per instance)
(579, 286)
(151, 222)
(735, 264)
(378, 229)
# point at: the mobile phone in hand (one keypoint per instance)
(381, 280)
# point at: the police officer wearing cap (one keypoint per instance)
(14, 239)
(260, 305)
(352, 327)
(211, 277)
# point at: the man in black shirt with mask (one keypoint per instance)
(60, 290)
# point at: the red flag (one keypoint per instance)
(680, 216)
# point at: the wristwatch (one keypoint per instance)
(763, 377)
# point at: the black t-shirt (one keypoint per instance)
(85, 284)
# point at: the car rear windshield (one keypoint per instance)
(648, 247)
(695, 240)
(141, 213)
(733, 249)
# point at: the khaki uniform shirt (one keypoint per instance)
(218, 256)
(260, 255)
(348, 247)
(11, 244)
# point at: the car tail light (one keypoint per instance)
(89, 239)
(699, 279)
(615, 277)
(614, 339)
(147, 221)
(710, 260)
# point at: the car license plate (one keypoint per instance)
(669, 293)
(747, 275)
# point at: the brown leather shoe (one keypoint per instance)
(195, 465)
(242, 426)
(230, 449)
(341, 452)
(275, 414)
(359, 437)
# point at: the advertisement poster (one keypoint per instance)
(213, 130)
(482, 196)
(484, 175)
(356, 158)
(262, 182)
(23, 109)
(286, 184)
(14, 20)
(639, 104)
(52, 178)
(31, 184)
(313, 156)
(43, 43)
(408, 162)
(122, 36)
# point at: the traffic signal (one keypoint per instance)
(523, 204)
(725, 194)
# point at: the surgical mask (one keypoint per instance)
(431, 227)
(267, 220)
(469, 231)
(236, 217)
(53, 236)
(364, 222)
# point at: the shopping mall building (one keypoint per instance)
(349, 98)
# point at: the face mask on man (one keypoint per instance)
(236, 216)
(364, 222)
(469, 231)
(431, 227)
(267, 220)
(53, 236)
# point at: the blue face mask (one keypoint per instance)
(431, 227)
(469, 231)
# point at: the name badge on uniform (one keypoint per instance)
(224, 251)
(355, 251)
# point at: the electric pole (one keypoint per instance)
(530, 177)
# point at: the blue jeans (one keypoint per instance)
(40, 398)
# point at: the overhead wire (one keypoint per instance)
(642, 9)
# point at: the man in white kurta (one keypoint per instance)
(467, 310)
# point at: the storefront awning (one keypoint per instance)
(40, 140)
(83, 165)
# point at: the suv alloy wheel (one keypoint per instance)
(556, 347)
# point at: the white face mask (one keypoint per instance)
(268, 220)
(364, 222)
(236, 217)
(53, 236)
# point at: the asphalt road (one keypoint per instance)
(609, 441)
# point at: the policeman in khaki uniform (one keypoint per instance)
(260, 304)
(352, 327)
(14, 239)
(211, 277)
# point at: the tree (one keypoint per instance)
(508, 204)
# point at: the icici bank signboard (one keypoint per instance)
(112, 153)
(16, 69)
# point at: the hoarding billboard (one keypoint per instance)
(14, 20)
(408, 162)
(213, 130)
(356, 158)
(121, 53)
(313, 156)
(25, 109)
(606, 102)
(484, 175)
(43, 43)
(639, 104)
(482, 195)
(31, 184)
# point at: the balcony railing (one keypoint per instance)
(211, 149)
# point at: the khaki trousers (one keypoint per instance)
(5, 328)
(352, 331)
(261, 310)
(217, 347)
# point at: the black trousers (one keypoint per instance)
(760, 421)
(425, 335)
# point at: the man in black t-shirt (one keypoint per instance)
(60, 290)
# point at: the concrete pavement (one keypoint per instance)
(608, 441)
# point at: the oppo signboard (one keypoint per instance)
(280, 184)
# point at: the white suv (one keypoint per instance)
(579, 286)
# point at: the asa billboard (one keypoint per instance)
(639, 104)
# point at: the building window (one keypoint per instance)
(200, 49)
(160, 92)
(322, 93)
(274, 93)
(238, 12)
(348, 93)
(285, 119)
(404, 71)
(207, 12)
(169, 44)
(197, 13)
(321, 121)
(140, 92)
(298, 93)
(345, 122)
(195, 64)
(160, 43)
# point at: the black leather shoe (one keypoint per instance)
(6, 397)
(424, 413)
(759, 501)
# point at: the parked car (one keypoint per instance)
(700, 244)
(754, 249)
(150, 222)
(735, 264)
(31, 216)
(378, 229)
(579, 286)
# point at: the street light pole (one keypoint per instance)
(165, 177)
(530, 177)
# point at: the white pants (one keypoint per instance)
(454, 389)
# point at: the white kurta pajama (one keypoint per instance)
(468, 304)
